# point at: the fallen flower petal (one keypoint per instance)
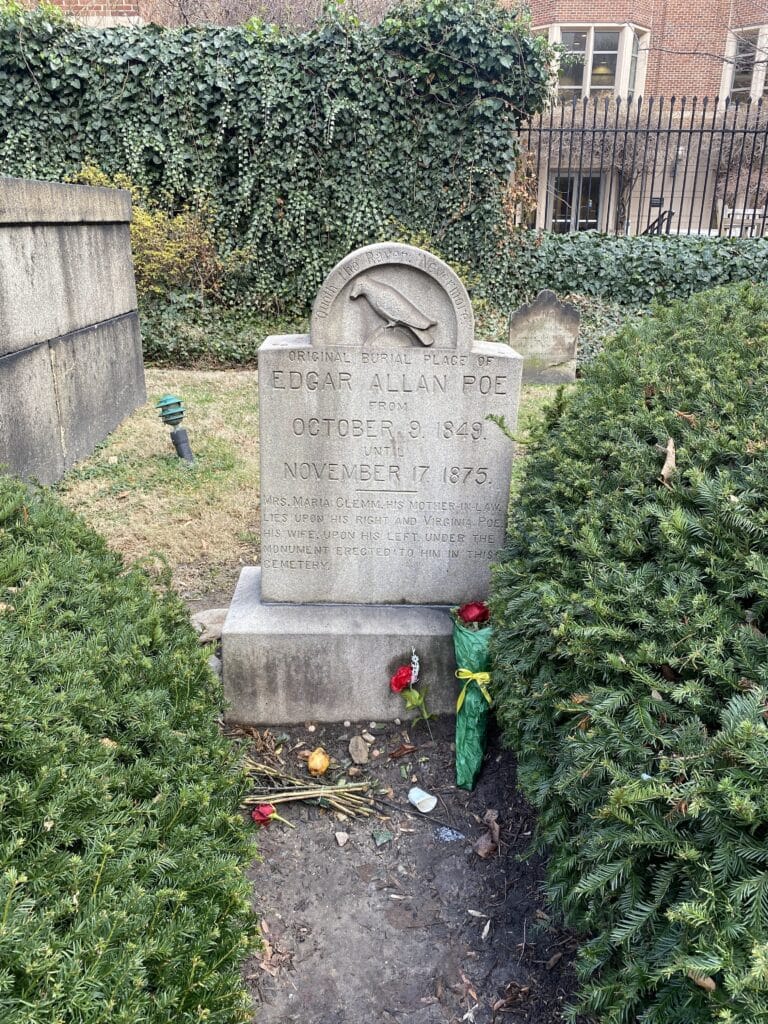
(263, 814)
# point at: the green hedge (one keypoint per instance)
(122, 893)
(631, 663)
(300, 146)
(633, 271)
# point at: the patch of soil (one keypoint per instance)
(420, 929)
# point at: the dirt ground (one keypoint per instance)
(419, 929)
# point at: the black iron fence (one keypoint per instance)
(696, 167)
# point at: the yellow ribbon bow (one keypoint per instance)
(481, 678)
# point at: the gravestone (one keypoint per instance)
(545, 333)
(384, 490)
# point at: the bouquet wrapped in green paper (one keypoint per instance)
(471, 636)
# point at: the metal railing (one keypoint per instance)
(697, 167)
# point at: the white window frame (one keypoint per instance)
(627, 33)
(578, 179)
(760, 70)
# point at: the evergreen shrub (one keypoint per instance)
(631, 662)
(631, 270)
(122, 894)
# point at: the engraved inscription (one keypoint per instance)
(383, 479)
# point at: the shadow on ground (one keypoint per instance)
(419, 930)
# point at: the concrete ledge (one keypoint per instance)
(285, 663)
(99, 376)
(59, 399)
(56, 280)
(30, 439)
(50, 202)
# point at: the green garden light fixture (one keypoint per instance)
(171, 412)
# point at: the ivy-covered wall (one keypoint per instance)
(299, 146)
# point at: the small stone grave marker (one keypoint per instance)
(545, 333)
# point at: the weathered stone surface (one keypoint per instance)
(59, 400)
(545, 333)
(382, 479)
(30, 440)
(325, 663)
(99, 375)
(358, 750)
(70, 350)
(56, 279)
(25, 201)
(209, 623)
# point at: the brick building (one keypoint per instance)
(659, 47)
(101, 13)
(621, 151)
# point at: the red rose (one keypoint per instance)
(401, 679)
(475, 611)
(263, 814)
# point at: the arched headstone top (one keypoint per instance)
(395, 296)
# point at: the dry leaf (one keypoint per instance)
(689, 417)
(403, 750)
(513, 993)
(554, 959)
(5, 607)
(488, 843)
(318, 762)
(670, 462)
(486, 930)
(703, 982)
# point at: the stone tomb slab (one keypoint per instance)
(545, 332)
(382, 479)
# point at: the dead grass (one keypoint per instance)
(203, 521)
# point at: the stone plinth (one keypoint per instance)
(545, 333)
(70, 350)
(287, 663)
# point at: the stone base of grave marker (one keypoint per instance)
(287, 663)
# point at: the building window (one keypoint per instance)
(605, 59)
(600, 60)
(576, 203)
(572, 63)
(633, 61)
(748, 53)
